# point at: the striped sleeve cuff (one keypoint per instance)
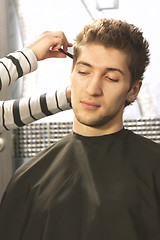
(7, 117)
(41, 106)
(17, 113)
(62, 100)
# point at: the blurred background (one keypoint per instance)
(21, 21)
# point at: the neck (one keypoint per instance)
(106, 129)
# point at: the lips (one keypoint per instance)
(90, 105)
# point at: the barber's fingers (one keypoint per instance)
(55, 54)
(65, 42)
(59, 40)
(48, 43)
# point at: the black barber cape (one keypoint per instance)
(86, 188)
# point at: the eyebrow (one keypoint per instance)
(107, 69)
(115, 70)
(84, 63)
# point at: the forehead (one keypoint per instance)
(101, 57)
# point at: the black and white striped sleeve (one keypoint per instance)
(17, 113)
(16, 65)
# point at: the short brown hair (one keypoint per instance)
(120, 35)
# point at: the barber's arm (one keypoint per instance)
(17, 113)
(16, 65)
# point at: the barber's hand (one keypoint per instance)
(47, 45)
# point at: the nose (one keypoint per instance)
(94, 87)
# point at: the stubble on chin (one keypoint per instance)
(95, 123)
(95, 119)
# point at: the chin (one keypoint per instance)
(93, 123)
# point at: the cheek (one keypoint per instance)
(116, 95)
(74, 80)
(121, 98)
(74, 91)
(71, 79)
(76, 84)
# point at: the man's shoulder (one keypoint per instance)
(142, 144)
(46, 174)
(51, 159)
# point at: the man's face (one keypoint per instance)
(100, 83)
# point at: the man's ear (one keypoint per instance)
(134, 91)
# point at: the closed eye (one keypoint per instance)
(82, 73)
(112, 79)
